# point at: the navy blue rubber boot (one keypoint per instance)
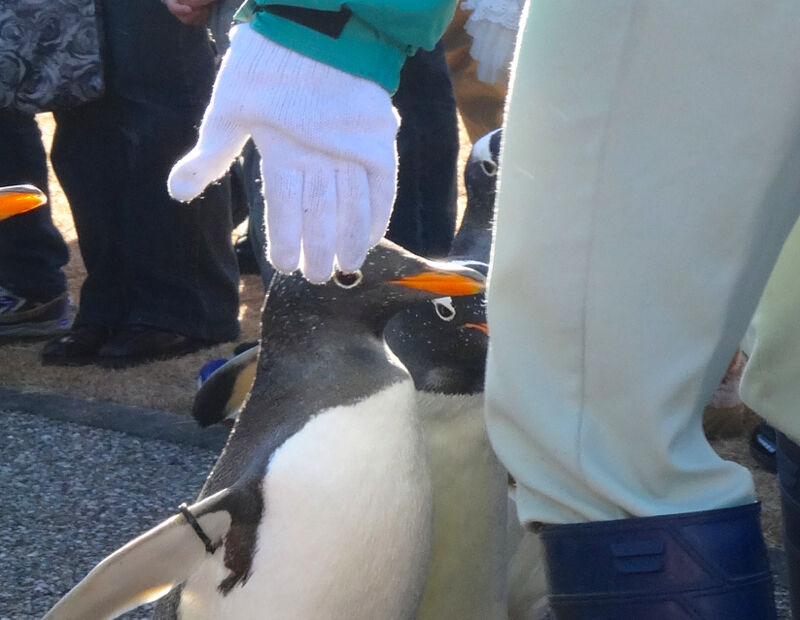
(709, 565)
(789, 480)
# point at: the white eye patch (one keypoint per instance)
(444, 308)
(348, 279)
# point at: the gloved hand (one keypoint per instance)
(327, 144)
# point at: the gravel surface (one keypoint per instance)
(71, 494)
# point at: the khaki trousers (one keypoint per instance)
(771, 381)
(650, 174)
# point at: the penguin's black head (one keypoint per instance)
(480, 180)
(480, 173)
(443, 342)
(391, 279)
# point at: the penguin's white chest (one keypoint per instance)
(467, 578)
(347, 522)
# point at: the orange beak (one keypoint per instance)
(18, 199)
(443, 283)
(481, 327)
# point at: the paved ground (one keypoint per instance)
(70, 494)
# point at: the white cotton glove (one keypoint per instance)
(327, 144)
(493, 27)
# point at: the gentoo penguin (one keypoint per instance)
(443, 344)
(480, 549)
(18, 199)
(474, 237)
(484, 565)
(527, 583)
(319, 505)
(444, 347)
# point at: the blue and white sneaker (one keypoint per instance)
(21, 317)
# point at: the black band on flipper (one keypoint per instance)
(329, 23)
(184, 510)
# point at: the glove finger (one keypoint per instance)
(222, 132)
(283, 215)
(382, 179)
(220, 141)
(319, 223)
(352, 217)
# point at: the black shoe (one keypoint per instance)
(78, 347)
(139, 344)
(711, 564)
(23, 318)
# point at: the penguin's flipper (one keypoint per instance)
(148, 566)
(224, 392)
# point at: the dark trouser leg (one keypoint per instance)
(88, 157)
(32, 251)
(184, 276)
(789, 479)
(151, 260)
(424, 214)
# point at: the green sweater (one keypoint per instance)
(374, 43)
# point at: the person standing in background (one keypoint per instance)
(33, 288)
(161, 279)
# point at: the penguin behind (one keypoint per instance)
(319, 505)
(443, 345)
(527, 583)
(480, 550)
(474, 237)
(484, 565)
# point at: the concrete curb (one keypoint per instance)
(136, 421)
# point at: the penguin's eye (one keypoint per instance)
(444, 308)
(489, 167)
(348, 279)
